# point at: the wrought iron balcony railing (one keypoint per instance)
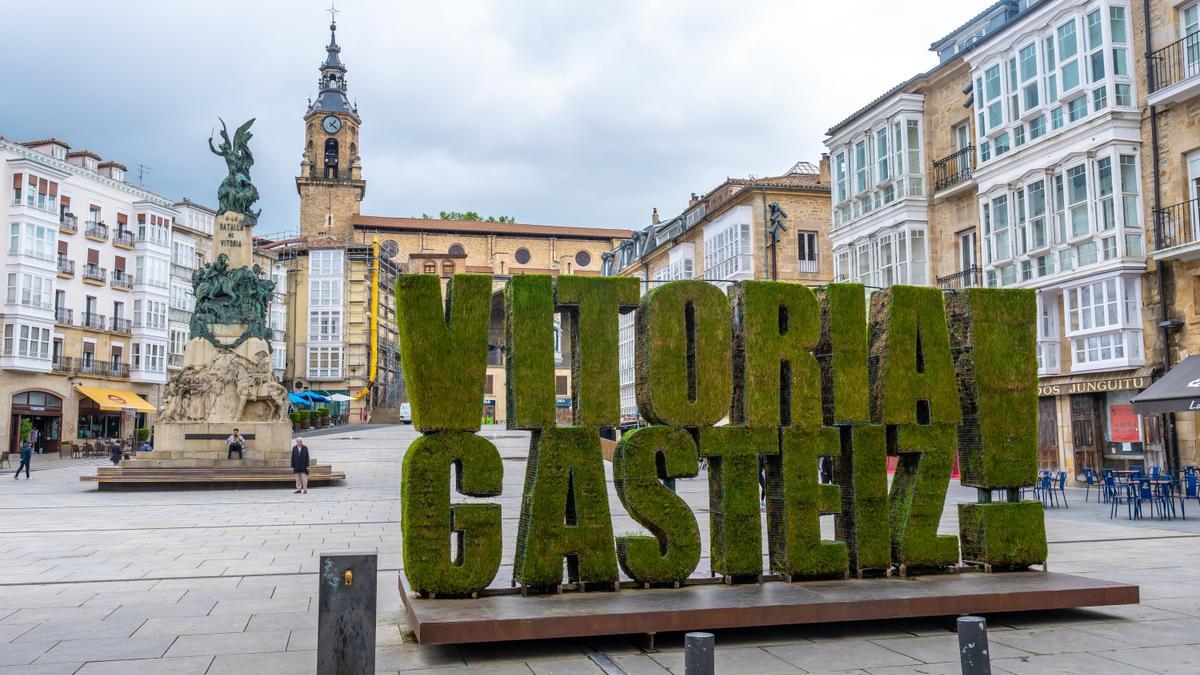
(94, 273)
(972, 277)
(93, 321)
(1174, 63)
(1176, 225)
(954, 169)
(66, 266)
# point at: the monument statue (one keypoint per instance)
(236, 193)
(227, 376)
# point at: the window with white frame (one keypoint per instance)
(152, 270)
(325, 325)
(326, 262)
(325, 292)
(806, 247)
(30, 290)
(1080, 215)
(879, 165)
(324, 362)
(182, 298)
(889, 256)
(149, 314)
(1047, 334)
(841, 265)
(29, 239)
(183, 253)
(1104, 324)
(26, 341)
(178, 342)
(1079, 65)
(727, 252)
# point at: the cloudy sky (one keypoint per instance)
(552, 111)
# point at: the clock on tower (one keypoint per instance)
(330, 181)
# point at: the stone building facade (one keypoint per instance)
(340, 271)
(99, 298)
(726, 235)
(1168, 85)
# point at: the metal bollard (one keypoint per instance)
(346, 613)
(973, 645)
(698, 653)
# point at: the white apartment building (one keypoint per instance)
(1058, 143)
(880, 210)
(98, 295)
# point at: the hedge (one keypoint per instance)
(591, 307)
(684, 363)
(862, 475)
(912, 374)
(842, 353)
(994, 336)
(777, 380)
(564, 512)
(795, 502)
(529, 340)
(443, 349)
(427, 517)
(918, 496)
(735, 521)
(672, 553)
(1007, 536)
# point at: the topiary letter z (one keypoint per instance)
(427, 517)
(443, 349)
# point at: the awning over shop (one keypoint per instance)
(1178, 390)
(116, 399)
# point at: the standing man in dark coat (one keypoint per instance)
(300, 465)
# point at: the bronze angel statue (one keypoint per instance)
(236, 192)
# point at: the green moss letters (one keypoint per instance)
(918, 495)
(1006, 536)
(842, 352)
(428, 518)
(795, 502)
(733, 496)
(564, 512)
(863, 520)
(777, 378)
(684, 363)
(590, 307)
(529, 337)
(642, 458)
(443, 349)
(912, 378)
(997, 441)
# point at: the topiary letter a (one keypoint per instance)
(564, 512)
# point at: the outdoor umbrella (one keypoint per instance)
(1176, 391)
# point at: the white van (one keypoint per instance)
(405, 413)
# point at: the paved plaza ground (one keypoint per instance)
(225, 582)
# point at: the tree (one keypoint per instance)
(470, 215)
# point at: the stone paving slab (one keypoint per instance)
(190, 564)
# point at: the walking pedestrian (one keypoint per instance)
(26, 458)
(118, 453)
(33, 440)
(300, 465)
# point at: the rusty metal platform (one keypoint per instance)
(510, 616)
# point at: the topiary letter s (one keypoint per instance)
(670, 555)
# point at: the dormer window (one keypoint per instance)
(89, 163)
(58, 152)
(118, 174)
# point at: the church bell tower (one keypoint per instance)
(330, 182)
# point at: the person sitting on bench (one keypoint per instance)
(236, 444)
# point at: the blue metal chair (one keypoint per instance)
(1122, 494)
(1090, 476)
(1191, 488)
(1137, 471)
(1155, 472)
(1145, 493)
(1062, 487)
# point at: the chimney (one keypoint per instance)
(693, 200)
(824, 172)
(654, 216)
